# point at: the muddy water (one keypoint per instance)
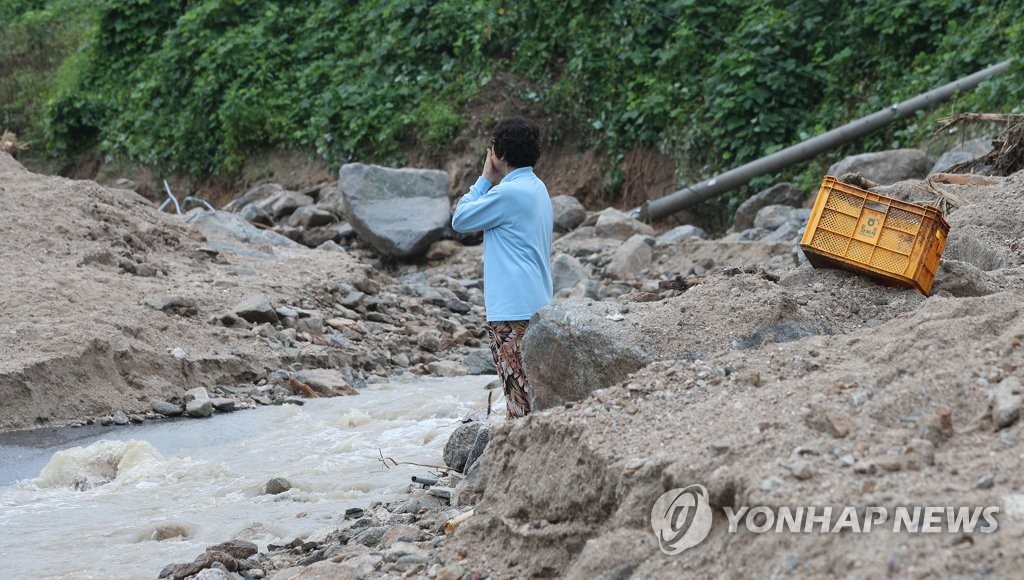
(123, 503)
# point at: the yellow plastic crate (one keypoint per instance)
(890, 240)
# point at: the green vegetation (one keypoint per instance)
(195, 86)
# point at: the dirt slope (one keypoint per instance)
(889, 406)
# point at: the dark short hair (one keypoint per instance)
(517, 141)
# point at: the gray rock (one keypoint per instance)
(255, 214)
(312, 325)
(429, 341)
(214, 574)
(399, 212)
(311, 216)
(986, 481)
(1006, 402)
(787, 232)
(224, 225)
(479, 361)
(276, 485)
(120, 418)
(617, 225)
(199, 409)
(223, 404)
(370, 536)
(330, 246)
(569, 351)
(631, 258)
(326, 382)
(483, 437)
(778, 194)
(254, 195)
(967, 151)
(197, 394)
(447, 368)
(167, 409)
(886, 167)
(461, 443)
(585, 289)
(568, 212)
(284, 203)
(567, 272)
(681, 233)
(256, 309)
(772, 217)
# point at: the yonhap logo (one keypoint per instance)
(681, 518)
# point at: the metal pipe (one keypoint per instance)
(690, 195)
(428, 481)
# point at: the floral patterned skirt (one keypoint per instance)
(506, 346)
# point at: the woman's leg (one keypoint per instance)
(506, 346)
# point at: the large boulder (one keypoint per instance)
(399, 212)
(568, 212)
(778, 194)
(571, 349)
(886, 167)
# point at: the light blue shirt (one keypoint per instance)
(516, 218)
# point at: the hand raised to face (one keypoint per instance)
(492, 171)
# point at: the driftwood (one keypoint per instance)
(1007, 155)
(946, 123)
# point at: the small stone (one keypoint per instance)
(1006, 402)
(256, 309)
(276, 486)
(985, 482)
(828, 421)
(453, 572)
(801, 469)
(120, 418)
(179, 353)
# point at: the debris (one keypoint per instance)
(1007, 155)
(9, 143)
(455, 522)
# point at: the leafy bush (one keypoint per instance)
(197, 85)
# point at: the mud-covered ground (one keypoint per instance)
(784, 387)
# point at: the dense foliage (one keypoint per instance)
(197, 85)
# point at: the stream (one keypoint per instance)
(123, 502)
